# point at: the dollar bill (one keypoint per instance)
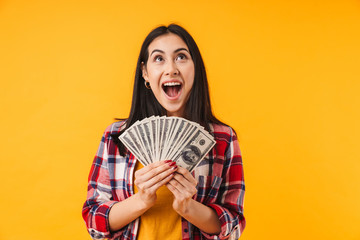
(168, 138)
(194, 150)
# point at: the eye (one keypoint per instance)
(158, 58)
(181, 56)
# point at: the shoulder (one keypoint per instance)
(224, 136)
(114, 128)
(222, 132)
(226, 141)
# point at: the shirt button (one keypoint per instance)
(185, 230)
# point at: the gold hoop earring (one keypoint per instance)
(147, 85)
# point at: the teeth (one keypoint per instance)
(168, 84)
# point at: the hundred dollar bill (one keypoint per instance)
(168, 138)
(194, 150)
(127, 140)
(171, 137)
(185, 130)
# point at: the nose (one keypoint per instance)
(171, 68)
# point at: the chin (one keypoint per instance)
(173, 112)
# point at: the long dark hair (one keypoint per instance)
(144, 104)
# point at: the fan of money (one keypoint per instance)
(168, 138)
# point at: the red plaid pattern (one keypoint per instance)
(220, 186)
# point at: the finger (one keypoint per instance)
(187, 175)
(173, 189)
(153, 170)
(150, 167)
(156, 180)
(184, 184)
(179, 191)
(177, 184)
(164, 181)
(160, 179)
(162, 170)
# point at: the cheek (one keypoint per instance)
(153, 72)
(154, 78)
(190, 76)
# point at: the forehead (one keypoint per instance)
(168, 43)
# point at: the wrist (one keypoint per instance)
(185, 208)
(141, 204)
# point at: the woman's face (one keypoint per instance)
(170, 71)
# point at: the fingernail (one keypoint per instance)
(174, 167)
(168, 161)
(172, 164)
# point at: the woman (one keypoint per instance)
(161, 200)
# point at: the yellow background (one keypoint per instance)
(284, 74)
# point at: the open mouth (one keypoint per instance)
(172, 89)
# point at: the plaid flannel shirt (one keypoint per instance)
(220, 187)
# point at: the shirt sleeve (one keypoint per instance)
(99, 196)
(230, 201)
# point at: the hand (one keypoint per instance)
(150, 178)
(183, 186)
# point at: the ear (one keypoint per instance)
(144, 72)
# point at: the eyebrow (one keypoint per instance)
(161, 51)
